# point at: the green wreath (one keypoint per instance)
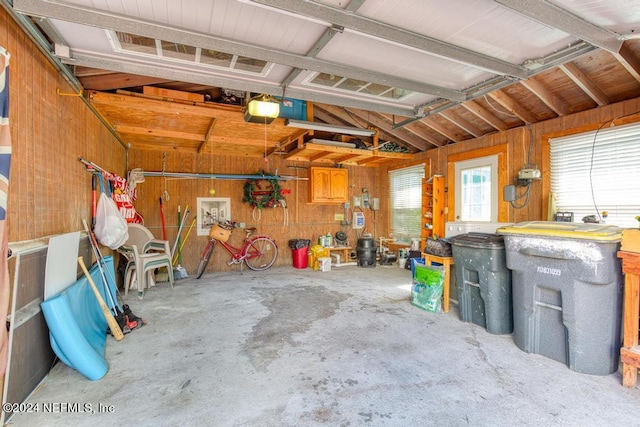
(262, 193)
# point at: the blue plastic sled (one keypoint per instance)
(77, 327)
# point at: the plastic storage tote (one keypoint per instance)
(567, 292)
(483, 281)
(314, 254)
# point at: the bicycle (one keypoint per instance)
(257, 252)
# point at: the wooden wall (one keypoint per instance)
(49, 191)
(305, 221)
(517, 141)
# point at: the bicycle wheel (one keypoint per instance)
(261, 253)
(204, 260)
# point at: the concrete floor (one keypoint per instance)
(292, 347)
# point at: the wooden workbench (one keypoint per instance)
(395, 247)
(343, 251)
(630, 351)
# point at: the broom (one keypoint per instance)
(178, 271)
(162, 275)
(179, 254)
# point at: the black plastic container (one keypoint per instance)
(567, 292)
(483, 281)
(366, 251)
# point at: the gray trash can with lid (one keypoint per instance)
(567, 292)
(483, 281)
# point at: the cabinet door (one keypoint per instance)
(328, 185)
(339, 185)
(320, 185)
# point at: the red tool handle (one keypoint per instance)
(94, 179)
(164, 231)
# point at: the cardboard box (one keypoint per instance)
(324, 264)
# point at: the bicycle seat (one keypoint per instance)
(250, 230)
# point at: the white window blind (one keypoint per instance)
(598, 172)
(405, 196)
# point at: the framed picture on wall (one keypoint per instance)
(210, 211)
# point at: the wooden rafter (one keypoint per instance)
(164, 107)
(629, 61)
(463, 124)
(163, 133)
(383, 123)
(513, 106)
(485, 114)
(207, 136)
(585, 83)
(440, 129)
(546, 95)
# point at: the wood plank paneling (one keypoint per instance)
(49, 191)
(301, 220)
(518, 141)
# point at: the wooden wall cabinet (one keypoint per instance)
(328, 185)
(433, 200)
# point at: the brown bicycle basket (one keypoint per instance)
(219, 233)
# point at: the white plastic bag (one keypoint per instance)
(111, 228)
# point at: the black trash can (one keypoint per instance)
(483, 281)
(366, 251)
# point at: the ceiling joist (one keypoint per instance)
(585, 83)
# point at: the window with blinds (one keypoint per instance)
(405, 201)
(598, 172)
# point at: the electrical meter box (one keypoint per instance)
(358, 220)
(365, 200)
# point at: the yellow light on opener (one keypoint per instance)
(257, 108)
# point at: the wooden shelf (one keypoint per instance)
(432, 208)
(318, 153)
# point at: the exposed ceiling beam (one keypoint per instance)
(417, 129)
(382, 123)
(338, 115)
(389, 33)
(112, 21)
(629, 61)
(208, 135)
(162, 133)
(556, 17)
(112, 81)
(485, 115)
(545, 95)
(429, 121)
(585, 83)
(159, 107)
(463, 124)
(513, 106)
(405, 138)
